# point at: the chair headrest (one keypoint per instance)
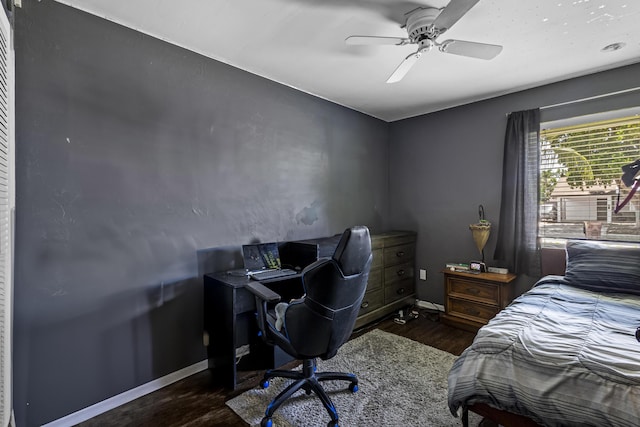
(353, 250)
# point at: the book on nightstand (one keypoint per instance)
(456, 266)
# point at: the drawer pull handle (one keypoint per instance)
(400, 254)
(473, 312)
(401, 272)
(400, 291)
(365, 304)
(473, 291)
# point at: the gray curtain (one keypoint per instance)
(517, 245)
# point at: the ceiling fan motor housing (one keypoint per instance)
(419, 24)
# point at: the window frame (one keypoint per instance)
(603, 200)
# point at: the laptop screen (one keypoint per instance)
(261, 256)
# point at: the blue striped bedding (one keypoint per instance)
(559, 354)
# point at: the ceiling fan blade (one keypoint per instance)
(472, 49)
(404, 68)
(373, 40)
(455, 10)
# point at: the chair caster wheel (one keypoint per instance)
(333, 423)
(353, 387)
(264, 383)
(266, 422)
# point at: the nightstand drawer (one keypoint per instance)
(398, 290)
(477, 291)
(399, 254)
(398, 272)
(371, 301)
(470, 310)
(470, 300)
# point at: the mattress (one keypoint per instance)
(560, 355)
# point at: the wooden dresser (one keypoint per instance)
(391, 283)
(471, 300)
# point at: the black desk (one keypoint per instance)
(229, 320)
(230, 310)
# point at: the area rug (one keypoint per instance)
(401, 383)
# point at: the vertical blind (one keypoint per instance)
(6, 206)
(580, 171)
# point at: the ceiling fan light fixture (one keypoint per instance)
(425, 45)
(613, 47)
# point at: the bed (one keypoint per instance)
(565, 352)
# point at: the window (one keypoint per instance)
(580, 180)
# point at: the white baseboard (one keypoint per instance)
(429, 305)
(127, 396)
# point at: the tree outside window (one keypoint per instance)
(580, 170)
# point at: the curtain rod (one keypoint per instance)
(591, 98)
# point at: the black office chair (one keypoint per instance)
(317, 324)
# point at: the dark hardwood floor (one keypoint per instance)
(194, 402)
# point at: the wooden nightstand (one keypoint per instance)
(471, 300)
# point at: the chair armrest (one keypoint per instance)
(263, 296)
(262, 292)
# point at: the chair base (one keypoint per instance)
(308, 380)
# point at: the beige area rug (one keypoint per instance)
(401, 383)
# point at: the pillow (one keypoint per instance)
(603, 267)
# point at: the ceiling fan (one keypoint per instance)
(424, 25)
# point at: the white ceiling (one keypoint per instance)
(300, 43)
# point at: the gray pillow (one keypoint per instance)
(603, 267)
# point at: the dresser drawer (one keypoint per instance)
(398, 272)
(398, 290)
(477, 291)
(371, 301)
(471, 310)
(378, 259)
(375, 280)
(377, 242)
(399, 254)
(395, 238)
(392, 275)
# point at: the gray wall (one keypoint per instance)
(134, 157)
(443, 165)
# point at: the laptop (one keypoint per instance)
(262, 262)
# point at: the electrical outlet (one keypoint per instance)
(423, 274)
